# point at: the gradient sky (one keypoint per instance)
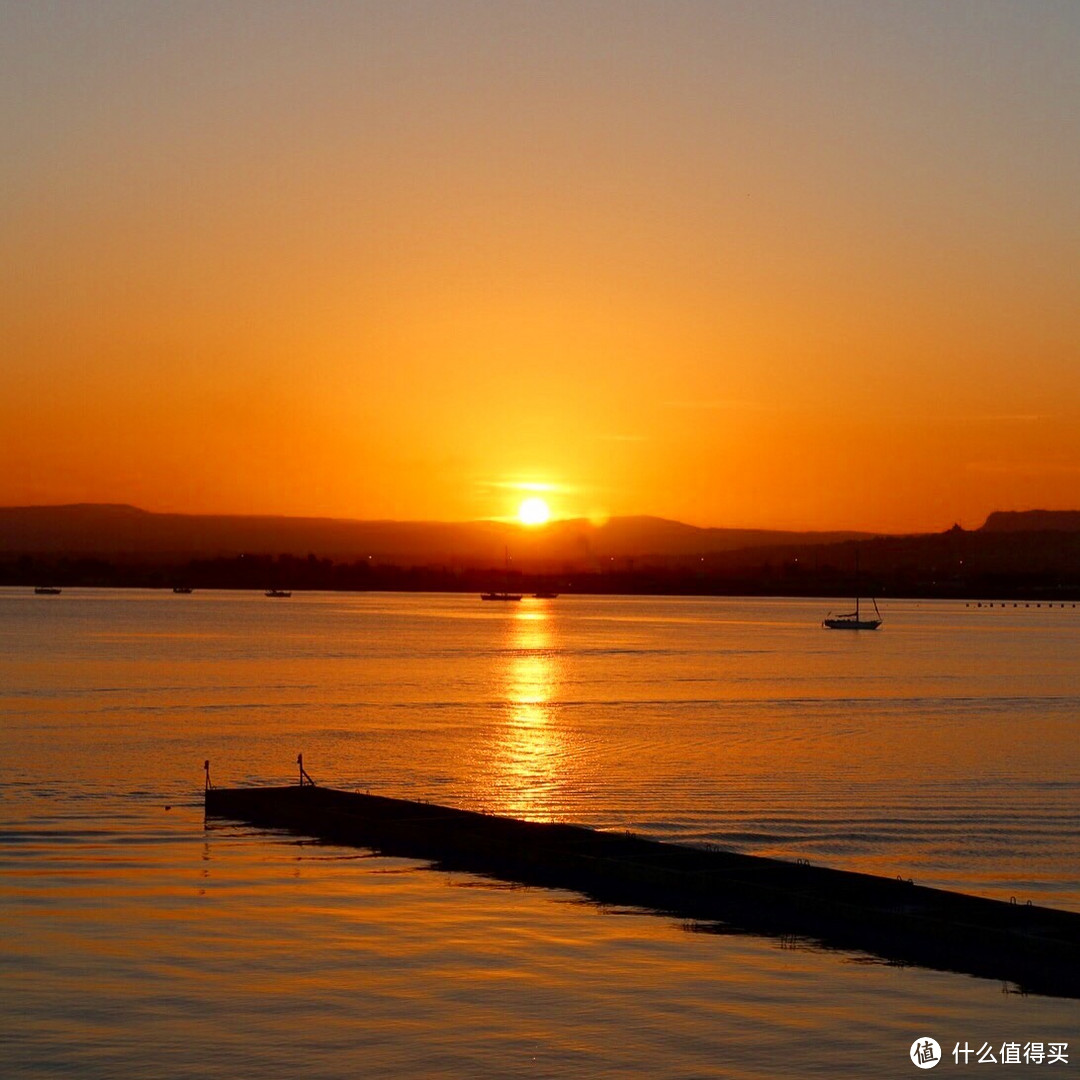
(802, 265)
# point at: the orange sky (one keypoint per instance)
(804, 265)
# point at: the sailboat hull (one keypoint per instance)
(842, 623)
(853, 620)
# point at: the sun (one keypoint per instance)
(533, 511)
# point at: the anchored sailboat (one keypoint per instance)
(853, 620)
(504, 595)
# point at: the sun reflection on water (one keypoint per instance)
(530, 760)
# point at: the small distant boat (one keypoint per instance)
(853, 620)
(546, 595)
(184, 589)
(47, 590)
(277, 593)
(495, 595)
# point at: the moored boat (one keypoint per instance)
(853, 620)
(495, 594)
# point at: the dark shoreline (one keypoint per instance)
(260, 572)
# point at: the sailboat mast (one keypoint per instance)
(856, 583)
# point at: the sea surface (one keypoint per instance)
(138, 940)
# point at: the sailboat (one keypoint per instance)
(494, 595)
(853, 620)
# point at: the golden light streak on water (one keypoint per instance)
(530, 760)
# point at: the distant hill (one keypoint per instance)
(1032, 521)
(126, 532)
(1034, 555)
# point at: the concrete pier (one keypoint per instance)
(1036, 948)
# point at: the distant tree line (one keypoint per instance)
(931, 567)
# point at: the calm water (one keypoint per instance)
(137, 942)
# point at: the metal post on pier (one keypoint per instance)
(304, 778)
(206, 769)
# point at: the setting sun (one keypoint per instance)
(533, 511)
